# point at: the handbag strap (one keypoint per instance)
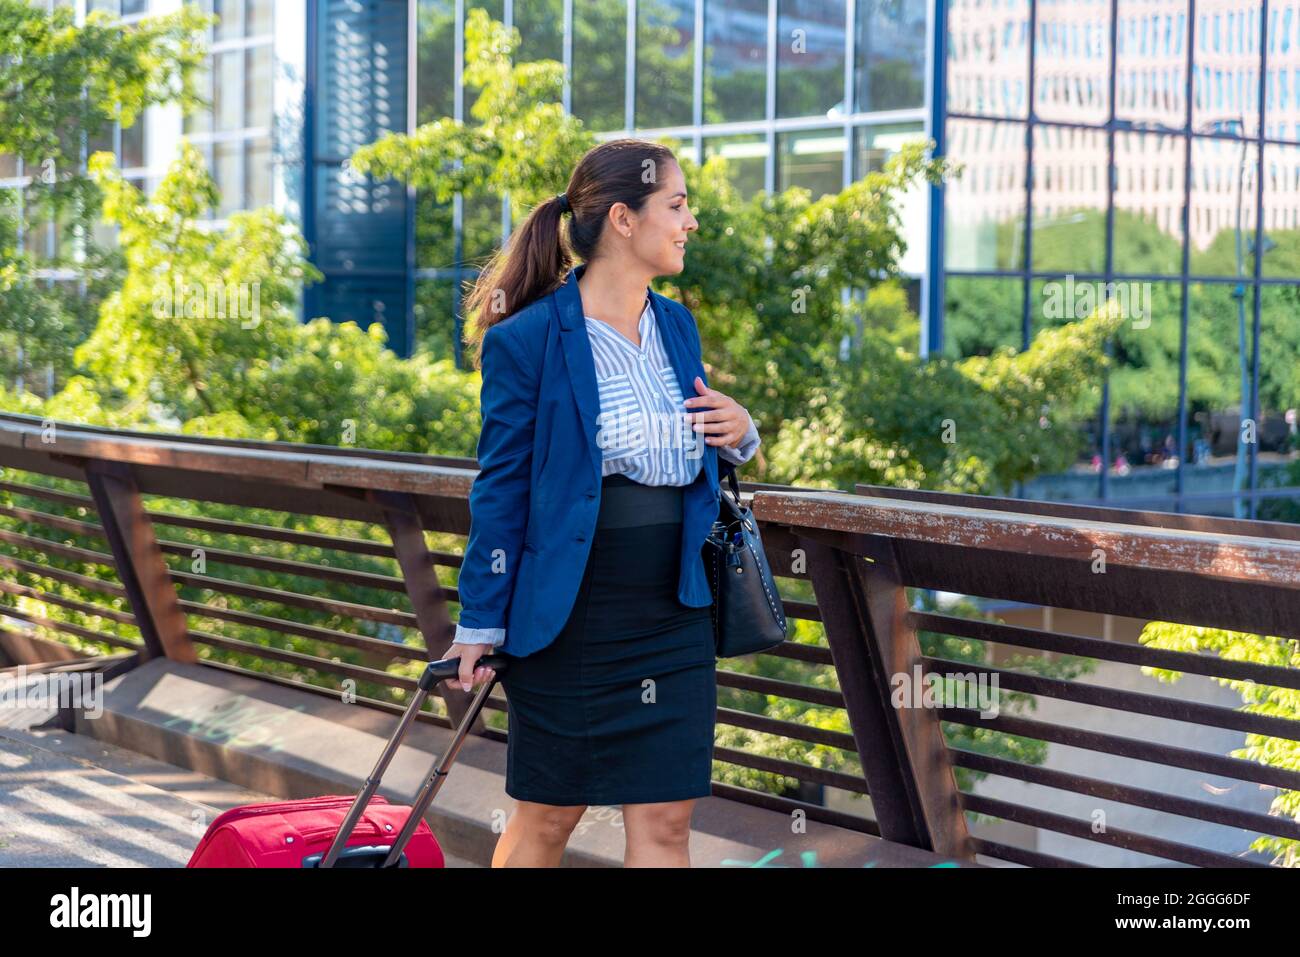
(730, 471)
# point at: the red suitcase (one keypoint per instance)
(343, 830)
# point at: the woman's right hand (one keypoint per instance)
(469, 674)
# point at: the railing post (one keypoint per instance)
(402, 518)
(904, 758)
(140, 565)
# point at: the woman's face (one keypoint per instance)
(659, 230)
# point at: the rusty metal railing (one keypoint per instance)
(337, 565)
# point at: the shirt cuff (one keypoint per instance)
(745, 451)
(479, 636)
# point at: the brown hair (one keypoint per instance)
(536, 258)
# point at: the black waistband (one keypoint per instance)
(625, 503)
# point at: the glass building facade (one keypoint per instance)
(1148, 147)
(813, 93)
(1155, 145)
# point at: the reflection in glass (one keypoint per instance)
(435, 80)
(813, 159)
(133, 144)
(665, 62)
(889, 56)
(735, 68)
(988, 57)
(1149, 187)
(746, 156)
(810, 58)
(1069, 201)
(1223, 206)
(228, 92)
(876, 144)
(1281, 213)
(259, 87)
(984, 217)
(981, 314)
(1225, 67)
(599, 75)
(1151, 62)
(1072, 60)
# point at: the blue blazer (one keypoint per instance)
(534, 502)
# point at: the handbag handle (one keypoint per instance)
(730, 470)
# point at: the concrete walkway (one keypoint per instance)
(68, 800)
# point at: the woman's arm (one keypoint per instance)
(498, 499)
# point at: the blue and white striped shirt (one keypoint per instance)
(643, 432)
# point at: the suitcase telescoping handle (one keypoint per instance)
(435, 671)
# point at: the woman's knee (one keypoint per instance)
(550, 822)
(666, 824)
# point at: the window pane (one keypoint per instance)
(599, 63)
(665, 62)
(1279, 372)
(735, 69)
(876, 144)
(436, 77)
(259, 173)
(260, 17)
(228, 95)
(988, 58)
(1151, 62)
(810, 58)
(890, 58)
(200, 121)
(1150, 181)
(258, 89)
(133, 144)
(435, 238)
(231, 24)
(984, 217)
(813, 159)
(229, 174)
(1223, 206)
(1281, 212)
(981, 314)
(1219, 329)
(1069, 214)
(541, 30)
(435, 326)
(132, 7)
(746, 157)
(1072, 60)
(1225, 77)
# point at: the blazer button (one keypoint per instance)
(579, 538)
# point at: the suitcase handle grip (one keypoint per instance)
(445, 668)
(434, 672)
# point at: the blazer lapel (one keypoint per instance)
(577, 359)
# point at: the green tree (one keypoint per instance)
(1257, 699)
(62, 86)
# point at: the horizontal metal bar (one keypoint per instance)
(1113, 836)
(1172, 709)
(1126, 794)
(1088, 647)
(1237, 769)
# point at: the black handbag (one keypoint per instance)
(748, 616)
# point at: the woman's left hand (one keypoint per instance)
(724, 420)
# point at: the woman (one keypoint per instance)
(598, 484)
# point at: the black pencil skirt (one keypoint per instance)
(620, 707)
